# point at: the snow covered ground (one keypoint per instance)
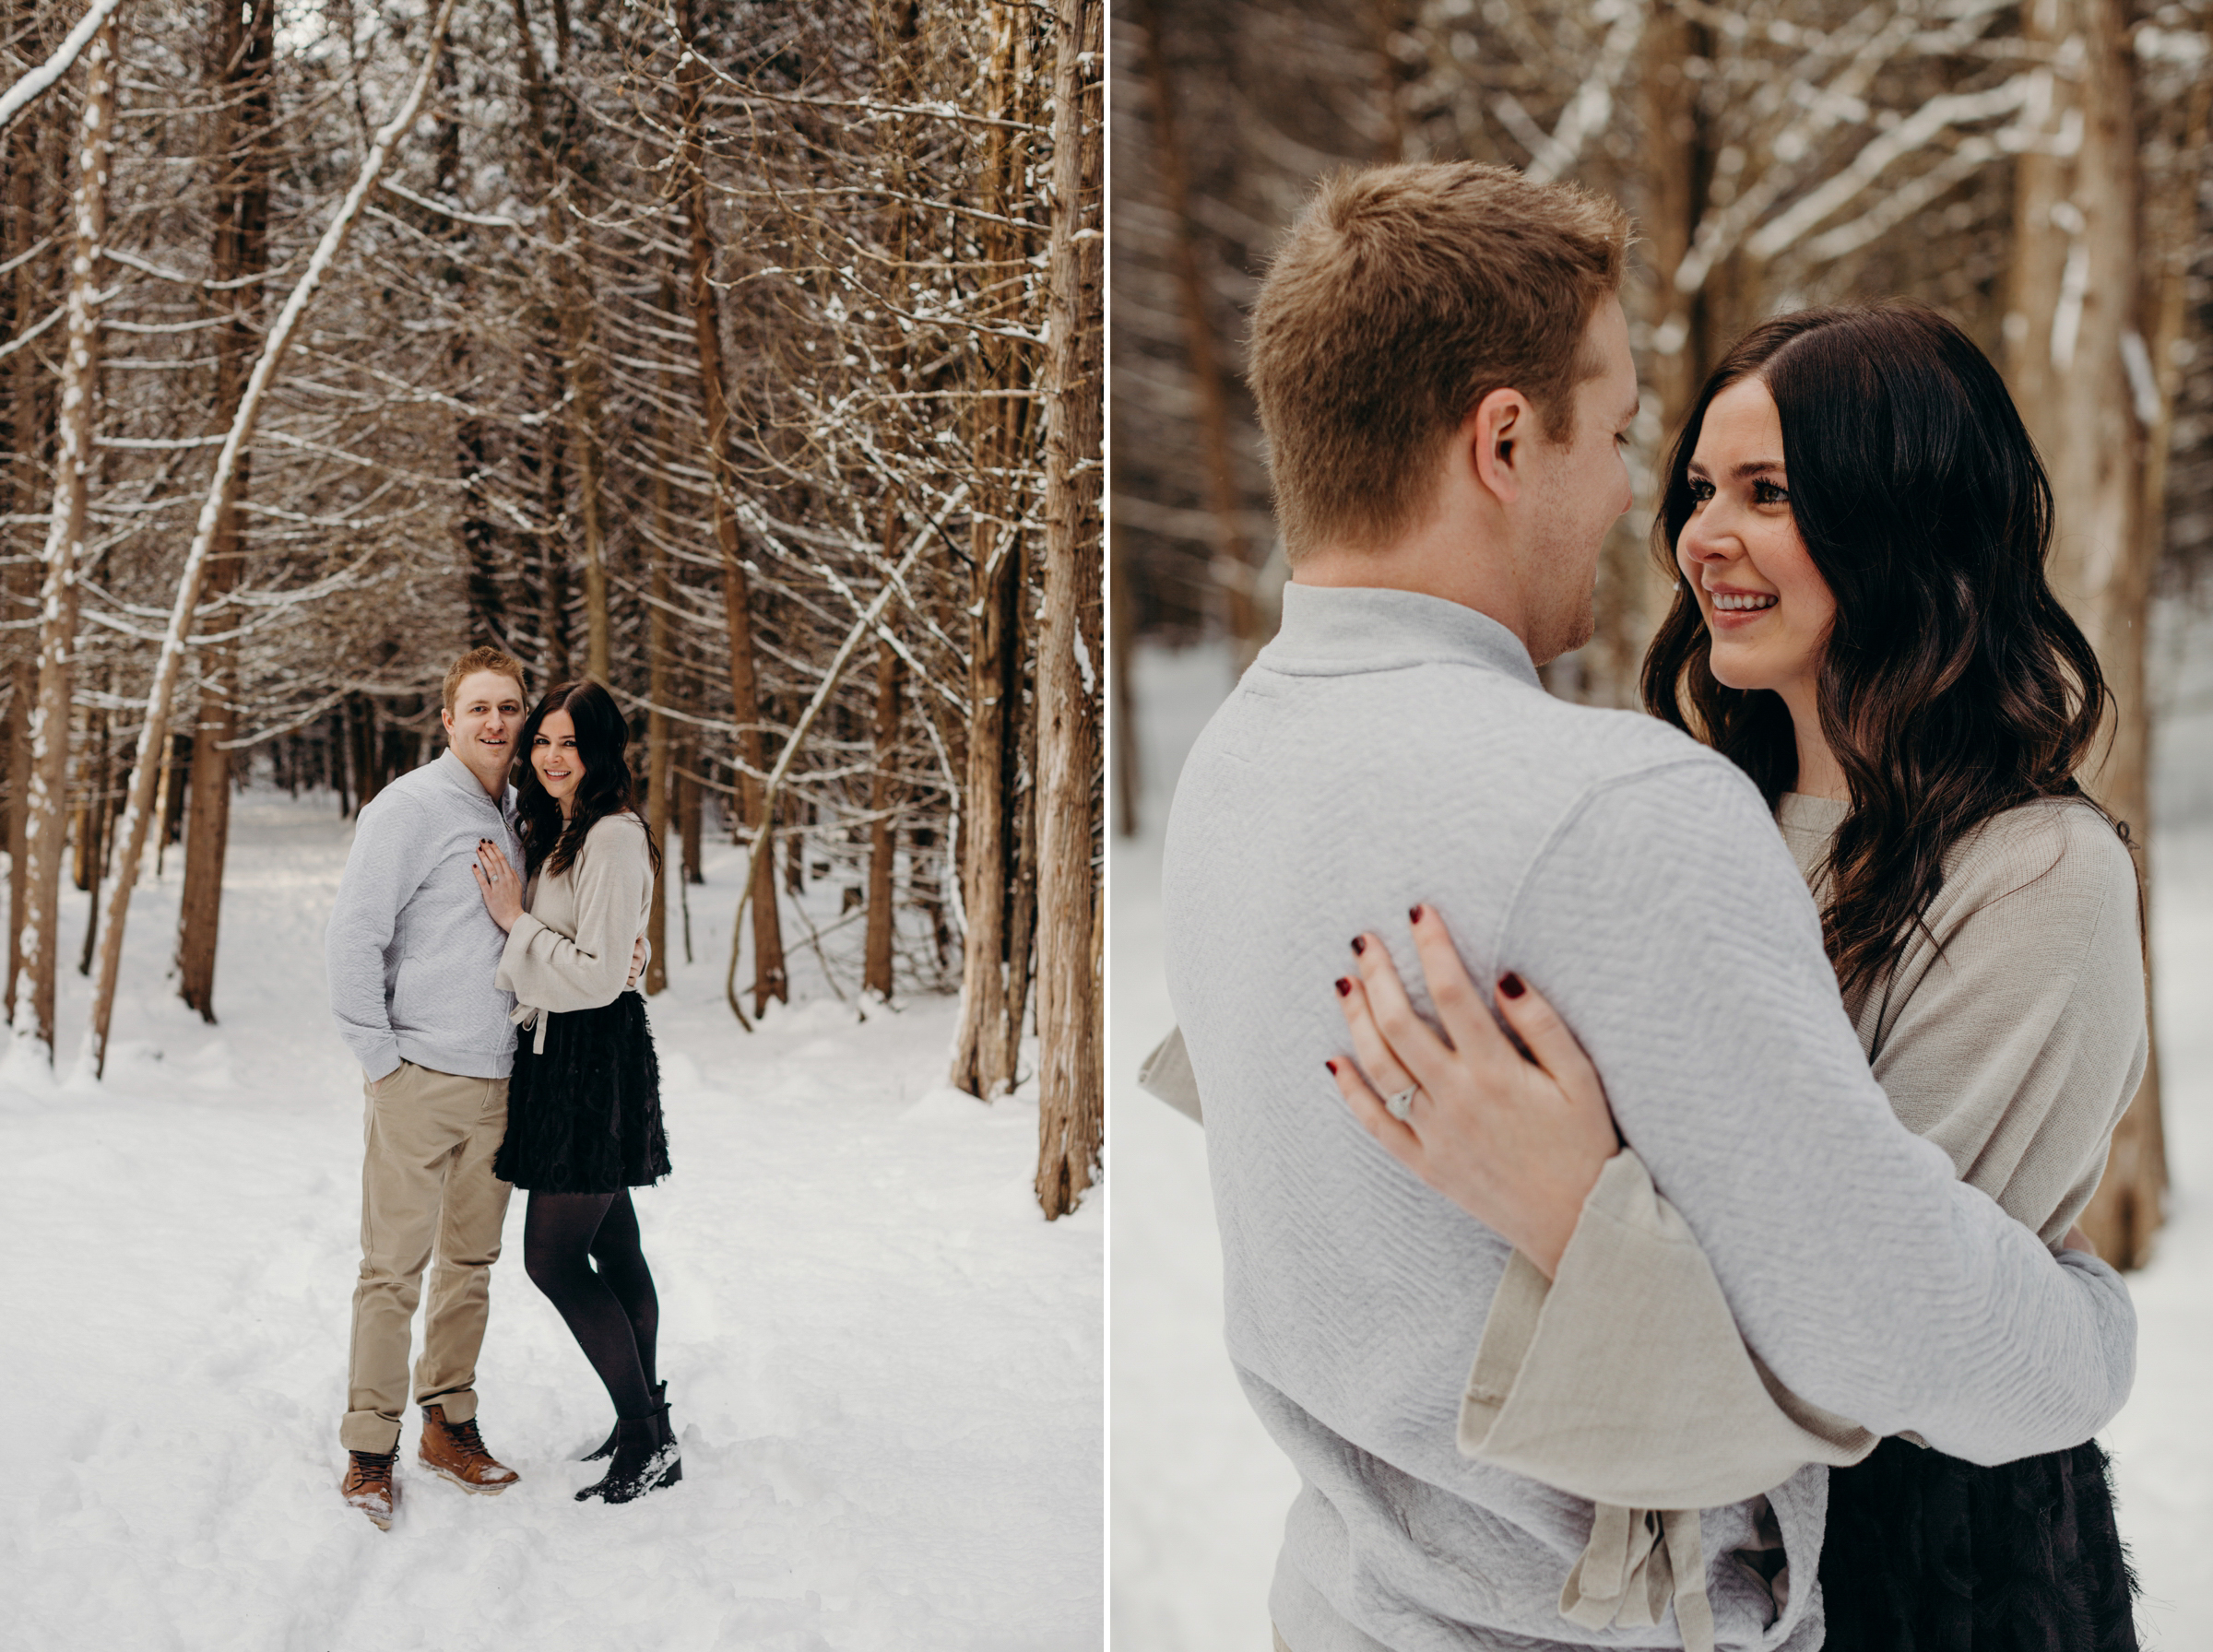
(885, 1366)
(1200, 1492)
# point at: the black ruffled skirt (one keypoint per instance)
(584, 1116)
(1927, 1553)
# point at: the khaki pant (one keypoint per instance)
(427, 1188)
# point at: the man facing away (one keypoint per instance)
(1442, 369)
(412, 954)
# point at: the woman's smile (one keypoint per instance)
(553, 754)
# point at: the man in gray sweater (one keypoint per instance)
(412, 954)
(1442, 369)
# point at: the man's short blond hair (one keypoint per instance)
(484, 659)
(1404, 296)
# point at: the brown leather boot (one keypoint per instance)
(369, 1485)
(456, 1451)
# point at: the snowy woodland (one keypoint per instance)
(2040, 172)
(747, 359)
(743, 358)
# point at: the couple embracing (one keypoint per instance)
(1655, 1227)
(487, 933)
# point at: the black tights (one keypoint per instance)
(612, 1312)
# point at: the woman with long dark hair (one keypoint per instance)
(1857, 524)
(583, 1111)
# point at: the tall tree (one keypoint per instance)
(74, 418)
(721, 437)
(1071, 1095)
(242, 50)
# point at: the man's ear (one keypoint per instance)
(1494, 436)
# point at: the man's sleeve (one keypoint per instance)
(1666, 923)
(382, 872)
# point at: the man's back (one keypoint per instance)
(1392, 748)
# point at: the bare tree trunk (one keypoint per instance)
(1071, 1095)
(980, 1063)
(92, 840)
(2074, 316)
(553, 543)
(28, 432)
(691, 808)
(169, 799)
(660, 767)
(243, 48)
(1022, 870)
(475, 533)
(736, 596)
(883, 837)
(49, 731)
(572, 308)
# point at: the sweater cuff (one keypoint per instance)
(517, 947)
(1626, 1380)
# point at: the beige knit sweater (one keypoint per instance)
(2011, 1032)
(571, 948)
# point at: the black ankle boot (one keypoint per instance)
(642, 1464)
(607, 1446)
(665, 1434)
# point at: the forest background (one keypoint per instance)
(743, 357)
(2037, 171)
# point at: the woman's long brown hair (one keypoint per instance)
(1953, 685)
(601, 734)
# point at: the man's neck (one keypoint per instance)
(495, 788)
(1430, 563)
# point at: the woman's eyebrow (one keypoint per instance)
(1755, 467)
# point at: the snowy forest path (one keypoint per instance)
(886, 1366)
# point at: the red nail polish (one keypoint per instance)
(1414, 912)
(1359, 944)
(1333, 1066)
(1343, 987)
(1511, 984)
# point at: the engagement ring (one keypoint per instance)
(1401, 1104)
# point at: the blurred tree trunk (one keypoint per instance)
(73, 424)
(1122, 621)
(2072, 320)
(1233, 557)
(244, 46)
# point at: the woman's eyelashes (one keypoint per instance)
(1765, 492)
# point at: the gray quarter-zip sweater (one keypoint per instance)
(412, 952)
(1389, 747)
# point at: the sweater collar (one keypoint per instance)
(1335, 631)
(454, 773)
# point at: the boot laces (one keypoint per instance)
(375, 1465)
(464, 1436)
